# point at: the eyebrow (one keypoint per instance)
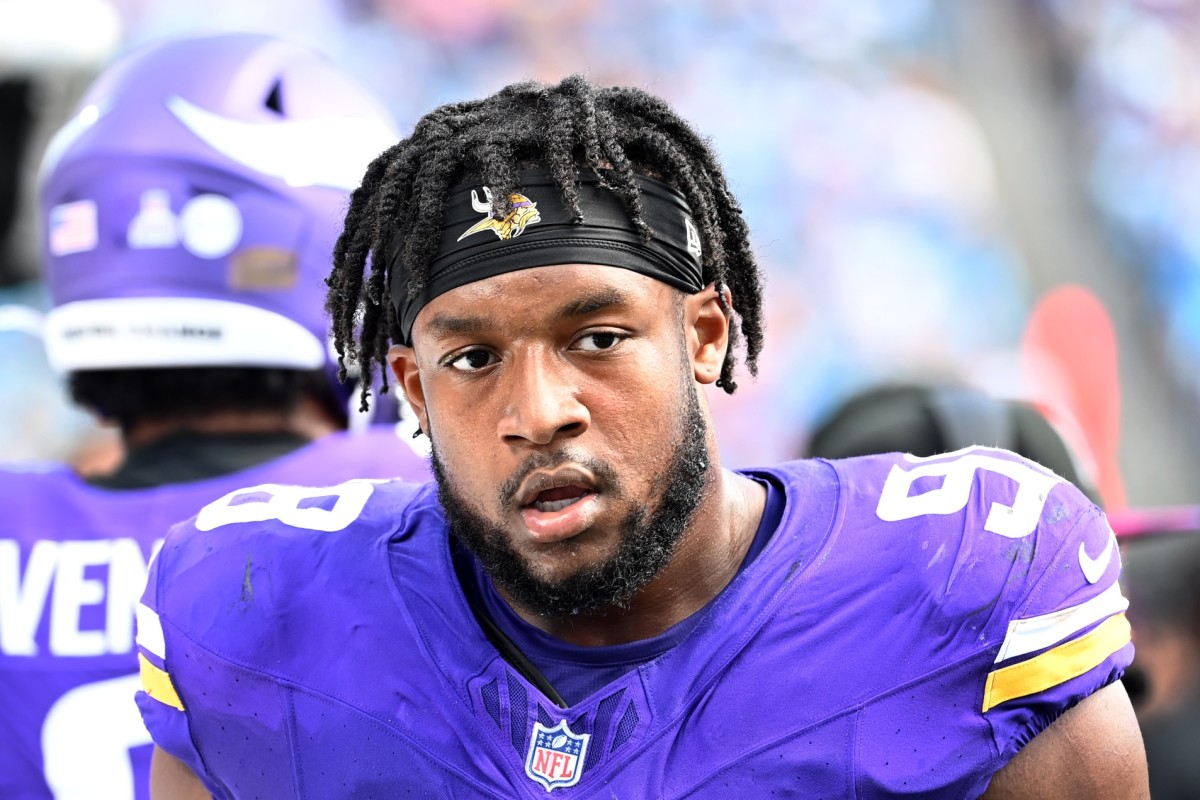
(443, 324)
(448, 325)
(606, 298)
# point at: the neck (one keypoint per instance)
(707, 558)
(307, 420)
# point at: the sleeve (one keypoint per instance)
(162, 710)
(1068, 636)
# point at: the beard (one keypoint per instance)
(648, 534)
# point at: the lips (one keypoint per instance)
(564, 484)
(558, 505)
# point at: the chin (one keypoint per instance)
(557, 563)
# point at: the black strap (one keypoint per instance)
(505, 646)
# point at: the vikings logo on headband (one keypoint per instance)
(524, 212)
(542, 231)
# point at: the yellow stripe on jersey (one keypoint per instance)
(157, 684)
(1056, 666)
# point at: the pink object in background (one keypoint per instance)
(1069, 355)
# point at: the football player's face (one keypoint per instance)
(562, 404)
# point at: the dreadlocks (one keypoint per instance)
(616, 133)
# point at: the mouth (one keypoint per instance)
(545, 488)
(558, 505)
(559, 498)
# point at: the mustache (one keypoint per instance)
(606, 476)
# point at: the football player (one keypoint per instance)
(929, 419)
(1163, 582)
(586, 603)
(189, 208)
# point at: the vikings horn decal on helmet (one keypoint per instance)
(192, 205)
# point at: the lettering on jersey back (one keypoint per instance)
(64, 582)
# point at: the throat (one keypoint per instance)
(706, 558)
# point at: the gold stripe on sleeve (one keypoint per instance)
(1060, 664)
(157, 684)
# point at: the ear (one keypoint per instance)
(706, 325)
(403, 363)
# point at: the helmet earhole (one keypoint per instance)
(274, 100)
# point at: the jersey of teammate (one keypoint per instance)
(72, 567)
(911, 624)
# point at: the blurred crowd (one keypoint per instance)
(868, 184)
(870, 188)
(1137, 69)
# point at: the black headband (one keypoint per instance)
(541, 231)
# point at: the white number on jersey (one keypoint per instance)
(286, 504)
(1014, 522)
(87, 737)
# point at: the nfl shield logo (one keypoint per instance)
(556, 755)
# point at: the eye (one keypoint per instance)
(471, 361)
(598, 341)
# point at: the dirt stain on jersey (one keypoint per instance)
(247, 598)
(1058, 513)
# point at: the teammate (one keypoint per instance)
(939, 417)
(585, 603)
(1163, 582)
(190, 208)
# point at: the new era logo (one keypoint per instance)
(693, 237)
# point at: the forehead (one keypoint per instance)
(541, 296)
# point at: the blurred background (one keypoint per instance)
(920, 177)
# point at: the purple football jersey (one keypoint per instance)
(911, 624)
(73, 561)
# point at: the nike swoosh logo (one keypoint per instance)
(1094, 568)
(328, 151)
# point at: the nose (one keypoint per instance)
(541, 402)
